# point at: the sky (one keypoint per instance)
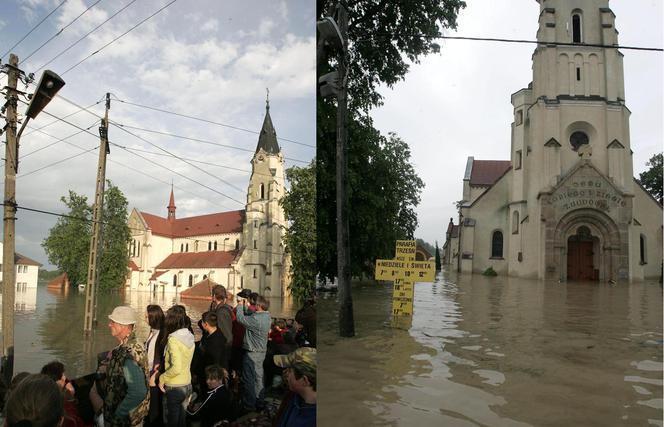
(208, 59)
(457, 103)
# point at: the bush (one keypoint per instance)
(490, 272)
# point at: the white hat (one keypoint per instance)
(123, 315)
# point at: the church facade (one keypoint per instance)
(240, 249)
(566, 205)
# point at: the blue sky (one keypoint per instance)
(208, 59)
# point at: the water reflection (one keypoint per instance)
(496, 351)
(49, 325)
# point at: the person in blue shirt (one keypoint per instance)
(298, 408)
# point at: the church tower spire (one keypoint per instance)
(171, 207)
(268, 136)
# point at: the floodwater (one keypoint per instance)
(49, 325)
(495, 352)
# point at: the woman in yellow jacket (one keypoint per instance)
(175, 382)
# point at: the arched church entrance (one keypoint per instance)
(582, 262)
(587, 246)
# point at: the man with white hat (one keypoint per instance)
(127, 394)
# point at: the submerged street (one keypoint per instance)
(496, 351)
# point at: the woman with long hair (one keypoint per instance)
(175, 381)
(154, 347)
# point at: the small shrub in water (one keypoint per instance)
(490, 272)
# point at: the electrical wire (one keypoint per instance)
(117, 38)
(33, 28)
(32, 129)
(503, 40)
(85, 36)
(60, 32)
(56, 138)
(207, 121)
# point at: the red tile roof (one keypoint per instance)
(486, 172)
(156, 274)
(210, 259)
(132, 265)
(217, 223)
(201, 290)
(59, 282)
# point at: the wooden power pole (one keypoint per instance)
(95, 241)
(8, 267)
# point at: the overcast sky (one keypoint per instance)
(207, 58)
(457, 104)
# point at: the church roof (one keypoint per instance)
(216, 223)
(209, 259)
(131, 265)
(487, 172)
(268, 137)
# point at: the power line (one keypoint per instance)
(57, 139)
(86, 35)
(117, 38)
(502, 40)
(56, 163)
(207, 121)
(33, 28)
(32, 130)
(61, 30)
(84, 219)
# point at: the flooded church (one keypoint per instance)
(566, 205)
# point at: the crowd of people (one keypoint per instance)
(172, 380)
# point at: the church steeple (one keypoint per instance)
(171, 207)
(268, 137)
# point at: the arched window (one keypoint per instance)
(138, 249)
(215, 245)
(576, 28)
(262, 191)
(209, 246)
(186, 247)
(497, 244)
(181, 247)
(175, 280)
(515, 222)
(204, 276)
(642, 249)
(254, 273)
(191, 280)
(237, 244)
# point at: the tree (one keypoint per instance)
(651, 179)
(68, 242)
(299, 205)
(384, 188)
(438, 266)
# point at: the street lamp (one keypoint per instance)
(49, 84)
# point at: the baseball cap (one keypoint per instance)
(123, 315)
(244, 293)
(303, 360)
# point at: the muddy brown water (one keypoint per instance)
(495, 352)
(49, 326)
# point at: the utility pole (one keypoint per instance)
(9, 219)
(346, 322)
(95, 241)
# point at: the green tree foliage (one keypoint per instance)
(44, 274)
(384, 37)
(68, 242)
(437, 258)
(652, 178)
(299, 205)
(426, 245)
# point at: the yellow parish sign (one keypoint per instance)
(417, 271)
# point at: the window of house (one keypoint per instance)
(519, 118)
(515, 222)
(237, 244)
(642, 249)
(497, 244)
(175, 280)
(576, 28)
(577, 139)
(517, 159)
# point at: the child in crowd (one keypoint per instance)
(277, 332)
(215, 405)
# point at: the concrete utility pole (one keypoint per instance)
(346, 322)
(95, 241)
(8, 267)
